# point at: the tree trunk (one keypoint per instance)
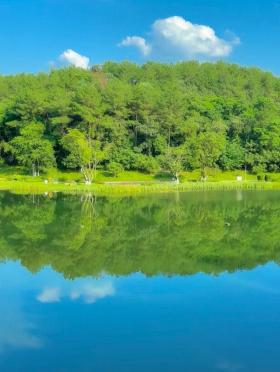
(88, 173)
(203, 173)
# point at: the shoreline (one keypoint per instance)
(132, 188)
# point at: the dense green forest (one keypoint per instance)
(117, 116)
(171, 234)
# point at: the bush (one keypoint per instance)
(123, 156)
(146, 164)
(114, 168)
(267, 178)
(258, 169)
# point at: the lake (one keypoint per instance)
(170, 282)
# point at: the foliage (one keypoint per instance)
(114, 168)
(146, 163)
(209, 149)
(173, 161)
(174, 234)
(222, 115)
(233, 156)
(32, 149)
(82, 152)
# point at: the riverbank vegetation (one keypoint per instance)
(131, 182)
(157, 121)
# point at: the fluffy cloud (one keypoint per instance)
(93, 292)
(177, 38)
(75, 59)
(138, 42)
(49, 295)
(88, 292)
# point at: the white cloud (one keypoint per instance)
(177, 38)
(75, 59)
(49, 295)
(138, 42)
(17, 330)
(17, 334)
(89, 292)
(93, 292)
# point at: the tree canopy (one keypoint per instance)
(143, 117)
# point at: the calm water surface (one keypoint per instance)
(177, 282)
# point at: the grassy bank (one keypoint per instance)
(24, 187)
(16, 179)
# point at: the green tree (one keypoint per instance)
(82, 153)
(32, 149)
(209, 148)
(233, 156)
(139, 110)
(173, 161)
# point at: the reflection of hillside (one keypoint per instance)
(170, 234)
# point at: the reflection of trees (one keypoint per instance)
(209, 232)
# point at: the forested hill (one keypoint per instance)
(145, 117)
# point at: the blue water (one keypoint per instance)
(228, 322)
(171, 282)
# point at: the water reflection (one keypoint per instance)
(89, 292)
(131, 323)
(21, 292)
(170, 234)
(16, 329)
(185, 282)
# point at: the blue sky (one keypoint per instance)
(35, 33)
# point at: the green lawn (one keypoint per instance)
(16, 179)
(55, 175)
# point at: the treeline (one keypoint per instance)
(147, 117)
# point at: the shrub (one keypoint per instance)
(146, 164)
(114, 168)
(260, 177)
